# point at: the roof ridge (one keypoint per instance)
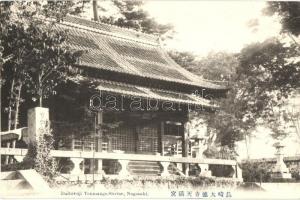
(137, 34)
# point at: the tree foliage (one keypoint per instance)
(267, 73)
(216, 66)
(224, 126)
(256, 172)
(40, 60)
(44, 163)
(260, 79)
(289, 13)
(132, 15)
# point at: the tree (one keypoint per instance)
(289, 118)
(186, 60)
(222, 124)
(260, 80)
(267, 74)
(131, 15)
(40, 59)
(289, 14)
(216, 66)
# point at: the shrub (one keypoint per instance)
(170, 182)
(43, 162)
(256, 172)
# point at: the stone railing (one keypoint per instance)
(77, 157)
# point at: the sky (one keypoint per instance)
(204, 26)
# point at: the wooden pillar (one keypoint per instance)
(14, 144)
(95, 10)
(7, 156)
(92, 166)
(162, 132)
(185, 147)
(99, 131)
(72, 143)
(98, 146)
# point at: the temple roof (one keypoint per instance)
(142, 92)
(126, 51)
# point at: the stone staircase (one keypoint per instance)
(22, 182)
(144, 168)
(13, 181)
(150, 168)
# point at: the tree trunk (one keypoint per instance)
(40, 98)
(40, 91)
(247, 146)
(10, 105)
(18, 99)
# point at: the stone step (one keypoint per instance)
(9, 175)
(35, 180)
(16, 184)
(148, 168)
(145, 175)
(145, 172)
(144, 167)
(143, 163)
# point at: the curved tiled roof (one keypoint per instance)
(142, 92)
(126, 51)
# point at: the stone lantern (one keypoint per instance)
(280, 171)
(199, 146)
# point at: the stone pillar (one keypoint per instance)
(76, 170)
(239, 172)
(38, 123)
(165, 171)
(99, 166)
(204, 170)
(124, 172)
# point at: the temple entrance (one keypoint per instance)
(147, 139)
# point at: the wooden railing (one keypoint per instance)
(77, 157)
